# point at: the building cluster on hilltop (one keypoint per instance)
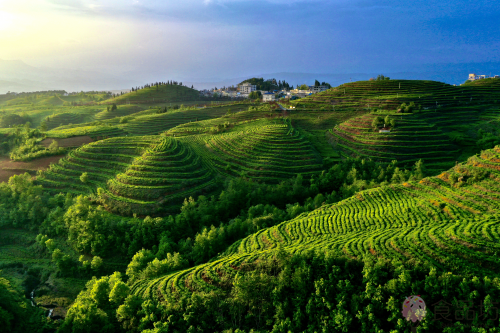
(244, 90)
(474, 77)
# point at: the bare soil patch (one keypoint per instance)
(75, 141)
(10, 168)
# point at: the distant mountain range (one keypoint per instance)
(17, 76)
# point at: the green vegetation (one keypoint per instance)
(175, 215)
(268, 85)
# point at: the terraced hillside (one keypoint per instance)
(159, 180)
(444, 122)
(140, 175)
(262, 150)
(389, 94)
(96, 132)
(66, 118)
(410, 140)
(157, 123)
(450, 222)
(139, 121)
(234, 117)
(267, 153)
(123, 110)
(101, 160)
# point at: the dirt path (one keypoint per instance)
(75, 141)
(10, 168)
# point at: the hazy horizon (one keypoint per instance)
(116, 44)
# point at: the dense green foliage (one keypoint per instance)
(16, 313)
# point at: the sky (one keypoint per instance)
(220, 39)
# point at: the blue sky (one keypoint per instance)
(218, 39)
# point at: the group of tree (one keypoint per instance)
(255, 95)
(379, 122)
(321, 291)
(380, 77)
(157, 85)
(268, 85)
(16, 313)
(23, 143)
(112, 108)
(325, 84)
(201, 229)
(408, 108)
(13, 119)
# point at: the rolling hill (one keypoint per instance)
(250, 216)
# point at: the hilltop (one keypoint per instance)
(163, 93)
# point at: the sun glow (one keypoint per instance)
(6, 20)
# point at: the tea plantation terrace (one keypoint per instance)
(450, 222)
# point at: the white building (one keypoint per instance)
(474, 77)
(268, 97)
(247, 88)
(317, 89)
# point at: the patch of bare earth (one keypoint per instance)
(10, 168)
(75, 141)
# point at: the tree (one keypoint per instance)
(304, 87)
(119, 293)
(50, 244)
(419, 170)
(96, 263)
(377, 122)
(43, 126)
(54, 146)
(84, 178)
(387, 120)
(316, 83)
(255, 95)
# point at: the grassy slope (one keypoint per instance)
(431, 221)
(165, 93)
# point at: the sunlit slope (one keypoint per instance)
(157, 123)
(232, 120)
(66, 118)
(443, 116)
(138, 175)
(159, 180)
(159, 94)
(410, 140)
(123, 110)
(262, 150)
(130, 120)
(389, 94)
(101, 160)
(450, 222)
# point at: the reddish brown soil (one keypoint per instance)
(10, 168)
(75, 141)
